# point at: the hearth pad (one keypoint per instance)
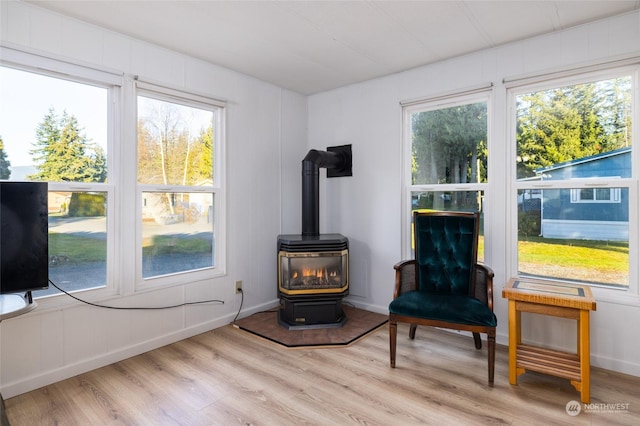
(359, 323)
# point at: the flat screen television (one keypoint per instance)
(24, 237)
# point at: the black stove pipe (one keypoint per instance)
(311, 186)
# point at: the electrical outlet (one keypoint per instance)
(238, 286)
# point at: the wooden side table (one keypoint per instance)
(564, 300)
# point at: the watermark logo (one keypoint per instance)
(607, 408)
(573, 408)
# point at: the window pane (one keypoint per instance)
(586, 194)
(51, 129)
(177, 232)
(175, 143)
(77, 241)
(559, 130)
(449, 145)
(580, 131)
(603, 194)
(469, 201)
(575, 242)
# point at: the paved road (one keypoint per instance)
(96, 227)
(70, 276)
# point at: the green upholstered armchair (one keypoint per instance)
(444, 286)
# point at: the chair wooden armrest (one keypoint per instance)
(484, 284)
(405, 277)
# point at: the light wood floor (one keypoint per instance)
(227, 377)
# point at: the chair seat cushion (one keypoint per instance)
(453, 308)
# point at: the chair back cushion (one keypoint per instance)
(445, 246)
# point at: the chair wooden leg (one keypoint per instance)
(477, 340)
(393, 334)
(491, 343)
(412, 331)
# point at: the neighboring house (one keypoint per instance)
(186, 207)
(577, 213)
(58, 201)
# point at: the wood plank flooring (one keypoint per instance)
(228, 377)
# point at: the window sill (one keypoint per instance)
(616, 297)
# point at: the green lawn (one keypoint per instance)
(595, 261)
(166, 244)
(77, 249)
(600, 261)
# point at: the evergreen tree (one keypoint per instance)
(203, 156)
(616, 119)
(587, 100)
(97, 170)
(447, 144)
(572, 122)
(62, 153)
(5, 165)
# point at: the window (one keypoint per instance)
(595, 195)
(446, 149)
(71, 126)
(54, 128)
(179, 184)
(572, 140)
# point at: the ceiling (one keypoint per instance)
(314, 46)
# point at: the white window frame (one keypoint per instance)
(163, 93)
(121, 224)
(482, 93)
(515, 87)
(112, 81)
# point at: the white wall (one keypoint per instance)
(367, 207)
(265, 125)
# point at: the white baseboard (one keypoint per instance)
(52, 376)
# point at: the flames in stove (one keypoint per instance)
(315, 278)
(318, 273)
(313, 272)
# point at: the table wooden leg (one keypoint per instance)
(585, 357)
(514, 340)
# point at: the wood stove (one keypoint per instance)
(313, 277)
(313, 268)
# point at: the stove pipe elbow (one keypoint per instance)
(339, 160)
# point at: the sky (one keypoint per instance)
(26, 97)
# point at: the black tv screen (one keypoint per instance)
(24, 239)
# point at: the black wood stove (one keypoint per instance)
(313, 268)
